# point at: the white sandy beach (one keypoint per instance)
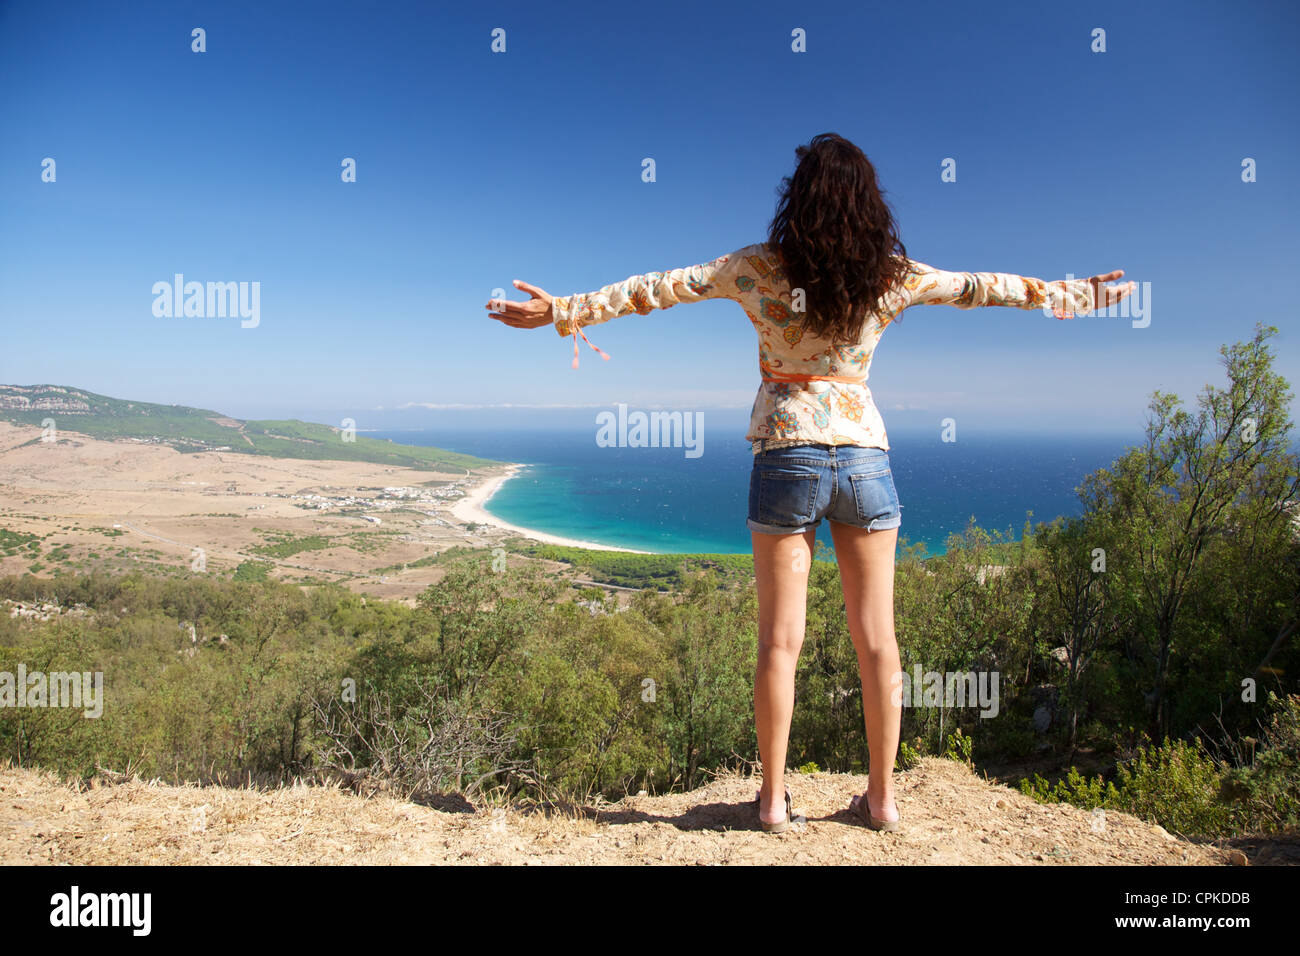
(470, 508)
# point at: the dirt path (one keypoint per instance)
(951, 816)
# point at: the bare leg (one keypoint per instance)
(781, 564)
(866, 560)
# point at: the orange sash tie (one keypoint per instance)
(846, 379)
(576, 332)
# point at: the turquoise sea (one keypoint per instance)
(660, 500)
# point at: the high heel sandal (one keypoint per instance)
(781, 825)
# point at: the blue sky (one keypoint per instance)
(475, 168)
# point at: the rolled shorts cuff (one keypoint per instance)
(779, 529)
(884, 524)
(877, 524)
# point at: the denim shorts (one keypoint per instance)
(791, 489)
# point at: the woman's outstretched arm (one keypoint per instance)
(640, 294)
(926, 285)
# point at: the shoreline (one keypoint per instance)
(471, 508)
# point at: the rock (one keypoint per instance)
(1237, 858)
(1042, 718)
(1161, 832)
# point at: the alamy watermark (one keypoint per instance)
(213, 300)
(653, 430)
(946, 689)
(1136, 305)
(127, 910)
(76, 689)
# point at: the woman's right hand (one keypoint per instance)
(532, 314)
(1104, 296)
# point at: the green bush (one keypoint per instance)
(959, 748)
(251, 571)
(1074, 788)
(908, 756)
(1177, 785)
(1268, 788)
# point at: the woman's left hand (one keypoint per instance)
(532, 314)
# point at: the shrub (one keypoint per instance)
(1268, 789)
(959, 748)
(1176, 785)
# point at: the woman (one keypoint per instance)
(820, 292)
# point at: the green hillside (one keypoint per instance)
(198, 429)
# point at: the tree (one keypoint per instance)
(1198, 476)
(1078, 593)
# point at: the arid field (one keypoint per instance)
(91, 503)
(951, 816)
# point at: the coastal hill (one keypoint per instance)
(124, 503)
(196, 429)
(952, 816)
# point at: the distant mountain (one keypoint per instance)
(197, 429)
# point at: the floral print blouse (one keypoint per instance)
(811, 391)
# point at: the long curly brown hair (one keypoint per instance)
(837, 237)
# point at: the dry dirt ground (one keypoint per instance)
(950, 815)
